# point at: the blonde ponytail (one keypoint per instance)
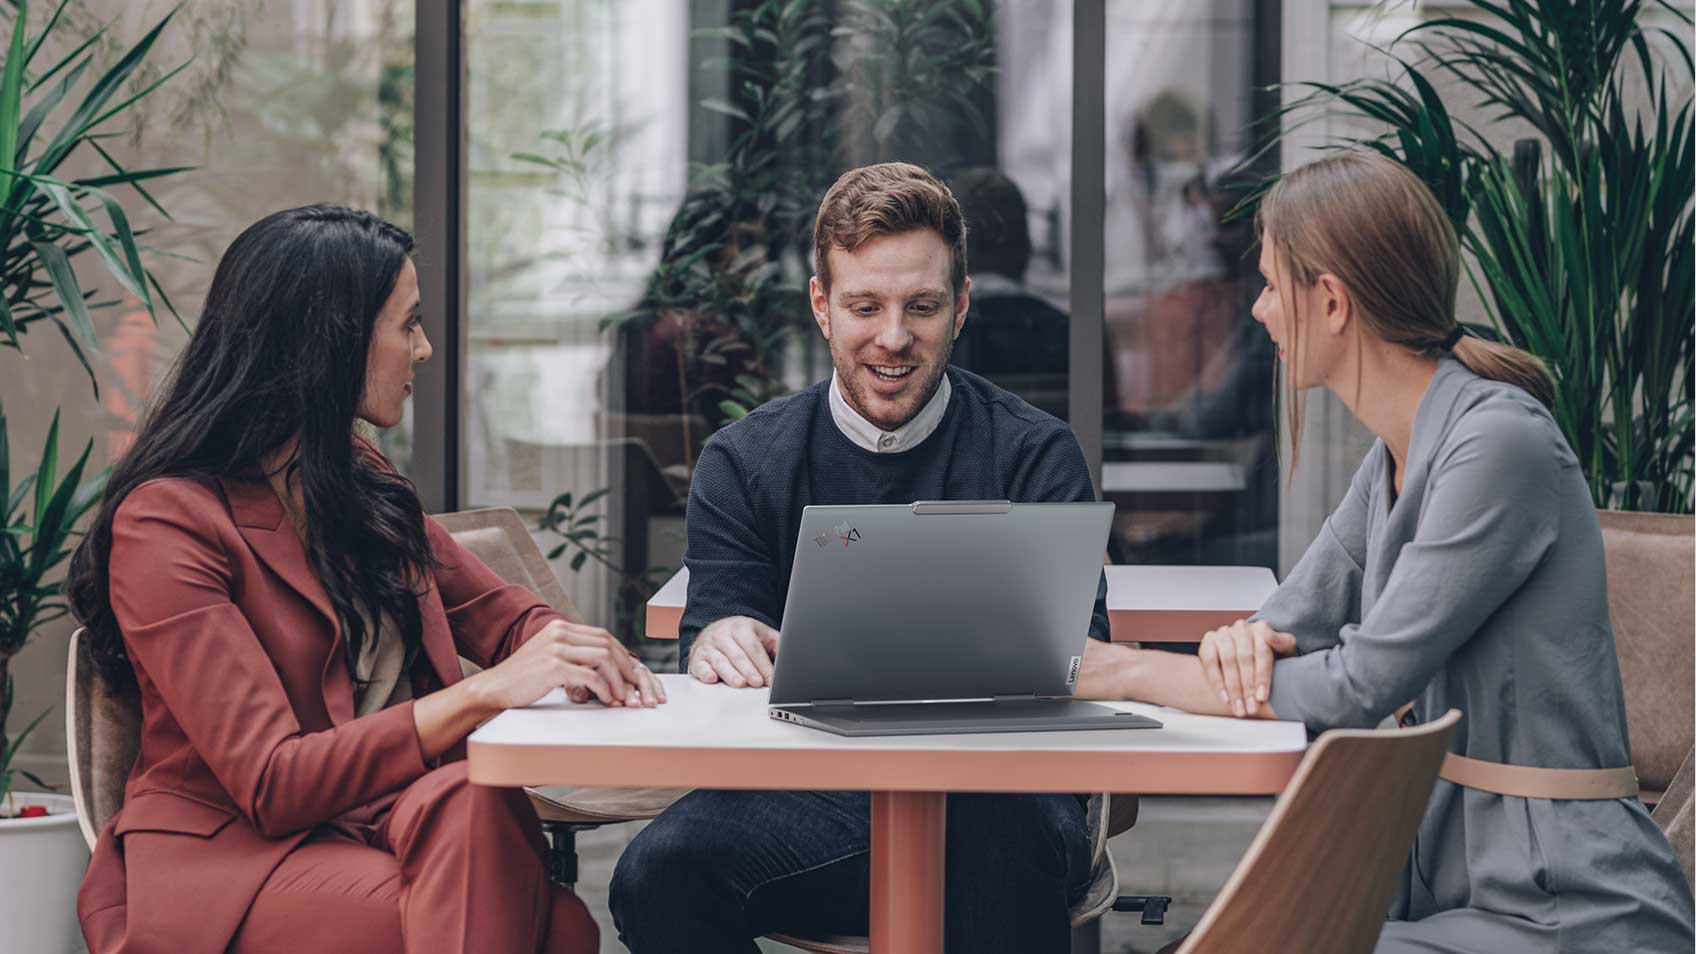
(1510, 365)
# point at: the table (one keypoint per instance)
(719, 737)
(1149, 604)
(1172, 477)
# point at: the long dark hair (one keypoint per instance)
(280, 353)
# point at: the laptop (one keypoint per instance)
(942, 617)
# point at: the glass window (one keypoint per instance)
(1189, 439)
(280, 105)
(643, 178)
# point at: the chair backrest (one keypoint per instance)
(1676, 814)
(103, 729)
(1652, 601)
(498, 537)
(102, 739)
(1320, 874)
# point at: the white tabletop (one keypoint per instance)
(718, 737)
(1188, 589)
(1171, 477)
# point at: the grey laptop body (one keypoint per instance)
(942, 617)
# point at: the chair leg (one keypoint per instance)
(1153, 907)
(561, 859)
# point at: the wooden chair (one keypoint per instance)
(1320, 874)
(498, 537)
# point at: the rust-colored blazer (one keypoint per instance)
(248, 738)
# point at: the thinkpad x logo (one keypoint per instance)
(843, 531)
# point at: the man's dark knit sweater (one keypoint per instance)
(755, 476)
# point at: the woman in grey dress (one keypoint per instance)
(1463, 569)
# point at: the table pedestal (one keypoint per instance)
(909, 838)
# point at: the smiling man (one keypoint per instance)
(894, 424)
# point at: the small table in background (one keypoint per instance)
(1148, 604)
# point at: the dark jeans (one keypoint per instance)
(721, 868)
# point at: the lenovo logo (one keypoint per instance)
(1072, 676)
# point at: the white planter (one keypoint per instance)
(41, 865)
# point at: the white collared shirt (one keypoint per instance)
(869, 436)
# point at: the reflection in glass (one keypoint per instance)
(278, 105)
(642, 185)
(1189, 440)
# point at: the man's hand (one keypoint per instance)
(736, 651)
(1237, 663)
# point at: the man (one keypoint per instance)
(893, 425)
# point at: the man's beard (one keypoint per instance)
(846, 366)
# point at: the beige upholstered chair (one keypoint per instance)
(102, 730)
(1652, 600)
(102, 739)
(1345, 824)
(500, 539)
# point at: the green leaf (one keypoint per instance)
(578, 560)
(44, 106)
(593, 496)
(728, 109)
(87, 114)
(64, 279)
(732, 410)
(45, 470)
(134, 283)
(54, 525)
(8, 324)
(11, 90)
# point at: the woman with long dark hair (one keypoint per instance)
(292, 622)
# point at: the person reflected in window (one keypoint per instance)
(1014, 336)
(1463, 570)
(893, 424)
(292, 623)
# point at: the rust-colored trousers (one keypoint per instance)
(452, 867)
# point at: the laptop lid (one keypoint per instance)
(939, 600)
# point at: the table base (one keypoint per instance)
(909, 839)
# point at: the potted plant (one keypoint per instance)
(1580, 241)
(53, 106)
(40, 841)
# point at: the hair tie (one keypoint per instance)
(1453, 338)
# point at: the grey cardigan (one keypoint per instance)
(1482, 588)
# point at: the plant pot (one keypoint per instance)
(41, 865)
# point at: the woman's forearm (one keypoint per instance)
(446, 716)
(1163, 678)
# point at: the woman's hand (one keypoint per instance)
(1237, 663)
(584, 660)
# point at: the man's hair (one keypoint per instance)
(890, 198)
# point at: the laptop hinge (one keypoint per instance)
(1016, 697)
(833, 702)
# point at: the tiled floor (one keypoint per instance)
(1182, 847)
